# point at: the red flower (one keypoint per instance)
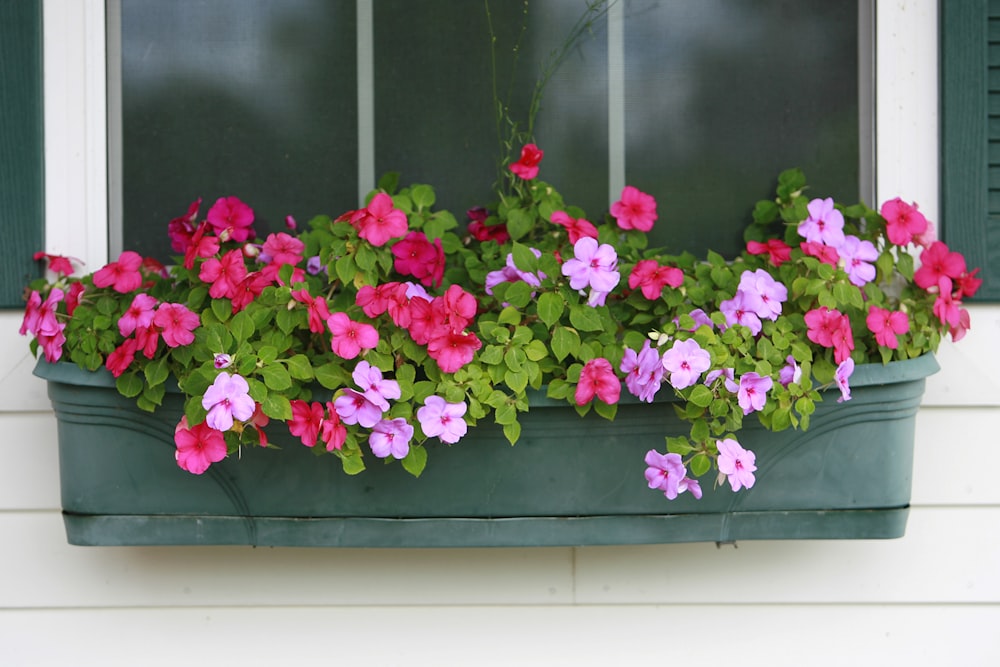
(416, 256)
(577, 228)
(652, 278)
(453, 350)
(122, 276)
(527, 166)
(306, 421)
(778, 251)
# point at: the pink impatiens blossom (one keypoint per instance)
(282, 248)
(418, 257)
(511, 274)
(598, 379)
(123, 275)
(227, 400)
(481, 231)
(373, 386)
(333, 432)
(825, 223)
(180, 230)
(380, 221)
(317, 309)
(198, 446)
(903, 221)
(841, 377)
(790, 372)
(222, 360)
(441, 419)
(737, 311)
(527, 166)
(593, 264)
(57, 263)
(762, 294)
(686, 361)
(778, 251)
(824, 253)
(139, 314)
(453, 349)
(577, 228)
(665, 472)
(119, 359)
(830, 328)
(752, 392)
(391, 437)
(231, 219)
(354, 408)
(652, 278)
(736, 463)
(350, 337)
(306, 421)
(635, 210)
(938, 262)
(202, 246)
(177, 323)
(225, 274)
(643, 372)
(886, 325)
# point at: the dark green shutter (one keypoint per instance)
(21, 168)
(970, 135)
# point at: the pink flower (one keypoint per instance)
(416, 256)
(354, 408)
(391, 437)
(180, 230)
(635, 210)
(686, 361)
(228, 399)
(752, 393)
(317, 309)
(122, 276)
(593, 264)
(736, 463)
(841, 377)
(830, 328)
(306, 421)
(250, 288)
(380, 221)
(598, 378)
(57, 263)
(441, 419)
(903, 221)
(652, 278)
(887, 325)
(120, 358)
(177, 323)
(198, 447)
(350, 337)
(222, 360)
(738, 312)
(231, 219)
(825, 223)
(938, 262)
(333, 433)
(453, 349)
(139, 314)
(375, 389)
(483, 232)
(824, 253)
(527, 166)
(856, 256)
(284, 249)
(777, 250)
(225, 275)
(201, 246)
(665, 472)
(762, 293)
(577, 228)
(643, 372)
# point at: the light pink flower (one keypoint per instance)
(736, 463)
(665, 472)
(841, 377)
(354, 408)
(445, 420)
(686, 361)
(374, 388)
(752, 393)
(593, 264)
(643, 372)
(825, 223)
(391, 437)
(228, 399)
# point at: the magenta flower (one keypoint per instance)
(778, 251)
(686, 361)
(119, 359)
(577, 228)
(333, 432)
(177, 323)
(938, 262)
(592, 264)
(736, 463)
(643, 372)
(227, 400)
(830, 328)
(598, 379)
(441, 419)
(380, 221)
(353, 408)
(511, 274)
(282, 248)
(225, 274)
(350, 337)
(198, 446)
(122, 276)
(527, 166)
(139, 314)
(752, 393)
(652, 278)
(306, 421)
(418, 257)
(886, 325)
(374, 388)
(841, 377)
(231, 219)
(857, 256)
(825, 223)
(903, 222)
(391, 437)
(453, 349)
(635, 210)
(665, 472)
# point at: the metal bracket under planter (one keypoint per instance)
(568, 482)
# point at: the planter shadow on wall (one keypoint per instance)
(568, 481)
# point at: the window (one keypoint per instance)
(701, 104)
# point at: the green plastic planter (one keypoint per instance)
(568, 481)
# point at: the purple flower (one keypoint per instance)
(737, 311)
(752, 394)
(686, 361)
(353, 408)
(790, 372)
(643, 372)
(692, 485)
(856, 255)
(511, 274)
(374, 388)
(736, 463)
(762, 293)
(314, 265)
(841, 376)
(442, 419)
(825, 224)
(665, 472)
(228, 399)
(223, 360)
(700, 319)
(416, 289)
(592, 264)
(391, 437)
(729, 375)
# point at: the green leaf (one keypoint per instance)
(352, 463)
(156, 372)
(423, 197)
(550, 308)
(516, 380)
(585, 318)
(565, 342)
(299, 367)
(524, 259)
(512, 432)
(277, 406)
(276, 377)
(701, 396)
(608, 411)
(415, 460)
(699, 465)
(222, 309)
(242, 326)
(346, 269)
(129, 384)
(519, 223)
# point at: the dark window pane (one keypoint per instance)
(252, 98)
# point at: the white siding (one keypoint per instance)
(932, 597)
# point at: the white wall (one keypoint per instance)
(928, 598)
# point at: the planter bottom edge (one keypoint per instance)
(365, 532)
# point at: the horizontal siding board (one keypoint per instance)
(41, 570)
(524, 636)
